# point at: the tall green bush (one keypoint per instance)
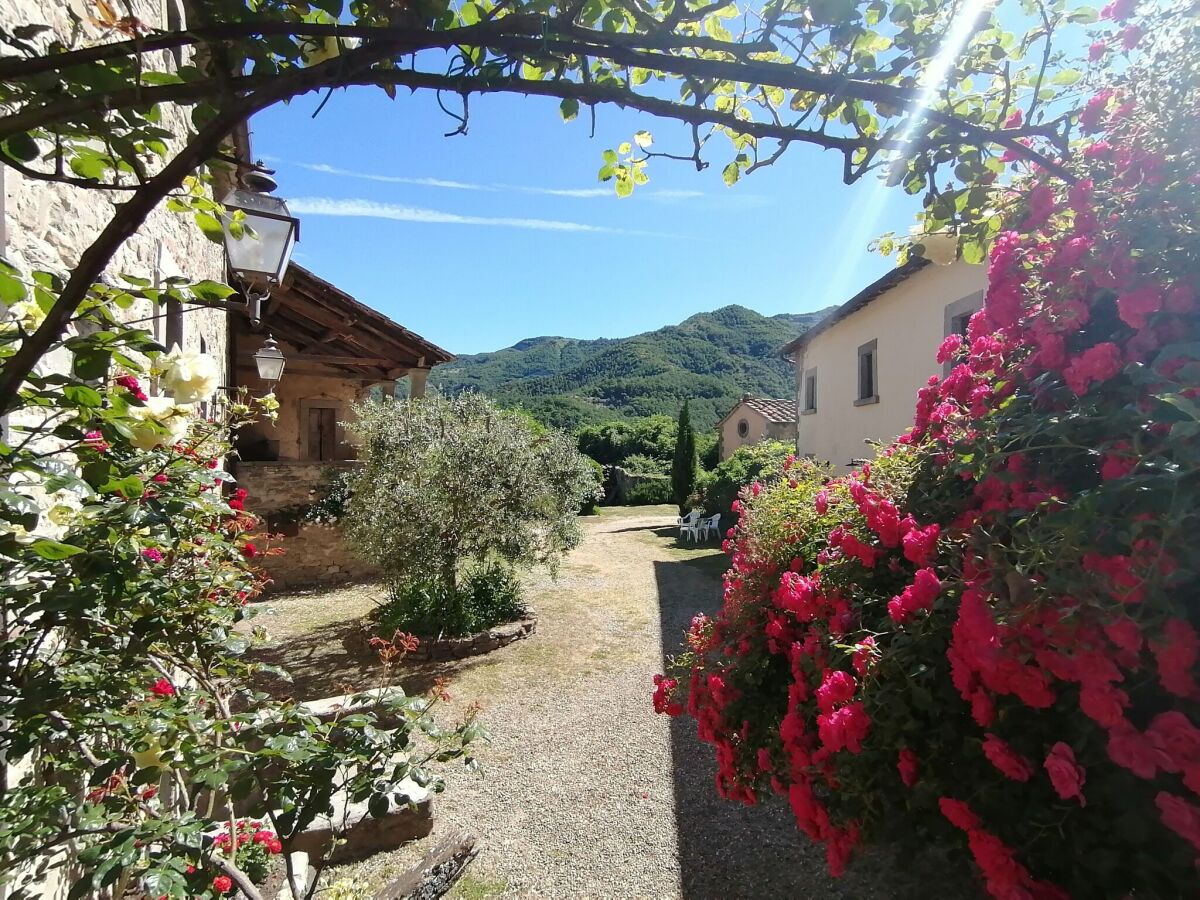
(684, 463)
(447, 482)
(763, 462)
(612, 443)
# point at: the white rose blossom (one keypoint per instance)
(171, 418)
(190, 377)
(941, 247)
(67, 505)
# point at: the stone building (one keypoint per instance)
(756, 419)
(47, 226)
(338, 352)
(858, 370)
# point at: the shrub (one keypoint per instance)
(640, 464)
(987, 639)
(649, 492)
(763, 462)
(447, 484)
(487, 595)
(592, 501)
(612, 443)
(708, 450)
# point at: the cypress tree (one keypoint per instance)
(683, 466)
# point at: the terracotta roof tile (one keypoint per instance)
(775, 410)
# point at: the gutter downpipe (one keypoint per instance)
(798, 362)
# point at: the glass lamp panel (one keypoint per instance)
(269, 361)
(265, 245)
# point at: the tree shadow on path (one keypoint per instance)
(726, 849)
(335, 659)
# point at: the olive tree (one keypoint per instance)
(450, 481)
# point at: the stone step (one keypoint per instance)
(362, 834)
(328, 708)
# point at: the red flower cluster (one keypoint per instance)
(1058, 606)
(131, 384)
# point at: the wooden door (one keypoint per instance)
(322, 433)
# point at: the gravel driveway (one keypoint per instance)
(588, 793)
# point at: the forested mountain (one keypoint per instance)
(710, 359)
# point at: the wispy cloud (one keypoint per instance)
(330, 206)
(581, 193)
(392, 179)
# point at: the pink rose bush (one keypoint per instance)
(988, 637)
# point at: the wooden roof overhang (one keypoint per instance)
(329, 328)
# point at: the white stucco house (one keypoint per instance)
(858, 370)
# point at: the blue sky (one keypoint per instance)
(478, 241)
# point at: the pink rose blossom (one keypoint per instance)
(1066, 775)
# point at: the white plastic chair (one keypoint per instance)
(712, 525)
(687, 524)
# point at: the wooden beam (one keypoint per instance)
(302, 368)
(303, 308)
(372, 361)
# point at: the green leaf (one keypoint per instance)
(643, 139)
(1084, 15)
(624, 187)
(11, 288)
(625, 148)
(569, 109)
(731, 173)
(91, 362)
(379, 805)
(212, 290)
(151, 77)
(21, 147)
(470, 14)
(1066, 77)
(82, 395)
(211, 226)
(48, 549)
(973, 252)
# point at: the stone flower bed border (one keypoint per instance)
(449, 648)
(442, 649)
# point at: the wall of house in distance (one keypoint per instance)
(48, 226)
(759, 428)
(297, 392)
(909, 323)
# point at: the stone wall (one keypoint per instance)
(273, 486)
(48, 226)
(314, 555)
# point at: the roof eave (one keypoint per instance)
(861, 300)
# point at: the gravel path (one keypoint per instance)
(588, 793)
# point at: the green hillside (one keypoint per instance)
(711, 359)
